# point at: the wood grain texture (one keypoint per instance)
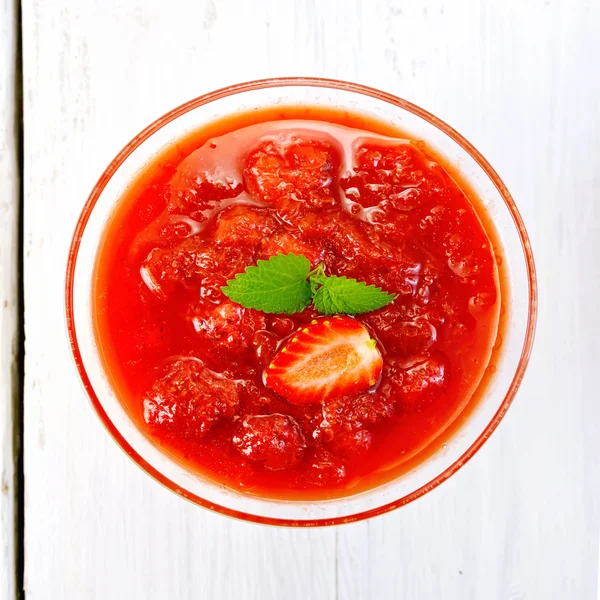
(520, 80)
(9, 207)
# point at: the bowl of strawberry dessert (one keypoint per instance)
(300, 301)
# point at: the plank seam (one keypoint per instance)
(19, 376)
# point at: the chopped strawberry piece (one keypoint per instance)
(413, 382)
(366, 409)
(344, 419)
(288, 177)
(193, 261)
(200, 184)
(276, 441)
(261, 401)
(399, 176)
(175, 229)
(195, 199)
(394, 276)
(347, 241)
(308, 416)
(283, 243)
(227, 324)
(400, 272)
(332, 356)
(423, 375)
(401, 334)
(351, 441)
(245, 226)
(169, 265)
(189, 399)
(409, 337)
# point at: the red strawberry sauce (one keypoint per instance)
(355, 194)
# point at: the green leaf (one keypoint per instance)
(277, 285)
(348, 296)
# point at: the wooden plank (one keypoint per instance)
(522, 519)
(518, 79)
(9, 318)
(96, 526)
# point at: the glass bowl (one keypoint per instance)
(461, 443)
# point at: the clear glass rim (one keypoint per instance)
(335, 85)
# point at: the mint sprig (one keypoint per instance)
(285, 284)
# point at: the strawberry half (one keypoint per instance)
(332, 356)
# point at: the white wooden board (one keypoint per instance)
(9, 199)
(521, 81)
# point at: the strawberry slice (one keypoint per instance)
(332, 356)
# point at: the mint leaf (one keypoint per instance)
(277, 285)
(342, 295)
